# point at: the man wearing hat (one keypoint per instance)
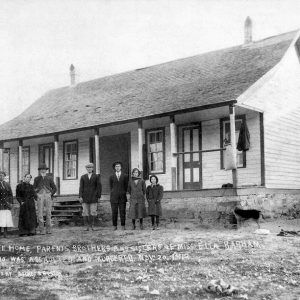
(45, 189)
(89, 192)
(118, 183)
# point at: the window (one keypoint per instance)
(70, 159)
(26, 160)
(156, 150)
(6, 163)
(225, 139)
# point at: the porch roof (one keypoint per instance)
(204, 80)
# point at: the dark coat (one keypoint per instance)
(90, 189)
(137, 191)
(47, 182)
(118, 188)
(26, 196)
(6, 196)
(244, 138)
(154, 194)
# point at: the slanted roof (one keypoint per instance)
(188, 83)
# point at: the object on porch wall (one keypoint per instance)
(229, 158)
(145, 163)
(244, 138)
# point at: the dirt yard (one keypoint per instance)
(179, 261)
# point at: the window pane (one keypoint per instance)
(159, 147)
(152, 147)
(152, 138)
(196, 144)
(187, 175)
(186, 144)
(159, 136)
(195, 174)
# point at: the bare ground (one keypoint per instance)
(176, 262)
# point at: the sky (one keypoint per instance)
(40, 39)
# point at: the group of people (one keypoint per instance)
(122, 189)
(31, 220)
(37, 198)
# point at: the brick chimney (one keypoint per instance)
(72, 75)
(248, 31)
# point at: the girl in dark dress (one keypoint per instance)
(27, 196)
(154, 194)
(136, 194)
(6, 199)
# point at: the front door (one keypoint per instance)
(113, 148)
(191, 161)
(46, 155)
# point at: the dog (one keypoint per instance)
(242, 215)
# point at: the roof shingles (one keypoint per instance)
(196, 81)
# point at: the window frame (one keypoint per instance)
(147, 135)
(64, 160)
(222, 122)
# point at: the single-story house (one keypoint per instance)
(174, 118)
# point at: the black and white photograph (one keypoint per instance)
(150, 149)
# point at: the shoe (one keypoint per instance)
(115, 227)
(49, 232)
(123, 227)
(153, 227)
(157, 227)
(141, 227)
(22, 234)
(42, 233)
(87, 229)
(133, 227)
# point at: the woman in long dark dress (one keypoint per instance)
(136, 191)
(154, 194)
(27, 196)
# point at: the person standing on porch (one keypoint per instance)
(136, 196)
(118, 183)
(89, 192)
(45, 189)
(6, 199)
(154, 195)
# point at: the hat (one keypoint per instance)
(43, 166)
(89, 165)
(153, 176)
(136, 169)
(117, 163)
(2, 172)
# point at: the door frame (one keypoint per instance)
(180, 138)
(51, 145)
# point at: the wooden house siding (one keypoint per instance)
(213, 176)
(277, 95)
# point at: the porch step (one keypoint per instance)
(66, 208)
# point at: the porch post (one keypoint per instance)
(1, 155)
(97, 151)
(140, 145)
(56, 164)
(233, 143)
(20, 163)
(173, 142)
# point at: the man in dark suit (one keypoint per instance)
(45, 189)
(89, 192)
(118, 183)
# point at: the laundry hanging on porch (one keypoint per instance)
(145, 163)
(244, 138)
(229, 158)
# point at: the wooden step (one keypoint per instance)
(65, 200)
(67, 205)
(65, 210)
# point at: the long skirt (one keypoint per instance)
(27, 217)
(6, 218)
(137, 210)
